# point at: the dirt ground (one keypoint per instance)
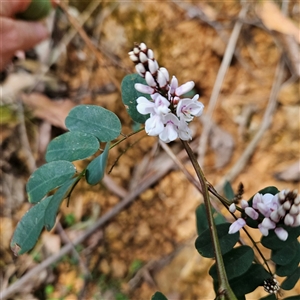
(149, 246)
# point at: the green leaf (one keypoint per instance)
(249, 281)
(48, 177)
(58, 197)
(237, 261)
(130, 94)
(273, 242)
(96, 168)
(72, 146)
(280, 256)
(29, 228)
(286, 270)
(227, 241)
(291, 280)
(96, 120)
(228, 191)
(201, 218)
(296, 297)
(159, 296)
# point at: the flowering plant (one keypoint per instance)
(150, 97)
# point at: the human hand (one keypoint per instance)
(17, 34)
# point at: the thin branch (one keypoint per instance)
(219, 81)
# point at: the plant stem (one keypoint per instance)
(224, 287)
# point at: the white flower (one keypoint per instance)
(237, 225)
(154, 125)
(266, 203)
(170, 132)
(159, 106)
(189, 108)
(184, 131)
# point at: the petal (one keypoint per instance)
(185, 88)
(281, 233)
(165, 72)
(237, 225)
(154, 125)
(149, 79)
(169, 133)
(173, 85)
(152, 66)
(253, 214)
(146, 89)
(144, 106)
(263, 230)
(256, 199)
(267, 223)
(244, 204)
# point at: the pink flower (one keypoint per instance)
(189, 108)
(170, 132)
(237, 225)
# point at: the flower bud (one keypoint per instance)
(281, 211)
(288, 220)
(134, 58)
(140, 69)
(152, 66)
(161, 79)
(281, 233)
(267, 223)
(173, 85)
(185, 88)
(297, 200)
(237, 225)
(143, 46)
(296, 221)
(136, 50)
(150, 54)
(253, 214)
(295, 209)
(165, 73)
(244, 204)
(232, 208)
(274, 216)
(286, 205)
(149, 79)
(143, 57)
(144, 88)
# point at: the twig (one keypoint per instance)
(267, 119)
(219, 81)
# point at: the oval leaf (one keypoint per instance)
(227, 241)
(280, 256)
(48, 177)
(96, 120)
(159, 296)
(72, 146)
(201, 219)
(96, 168)
(288, 269)
(249, 281)
(237, 261)
(130, 94)
(29, 228)
(63, 192)
(291, 280)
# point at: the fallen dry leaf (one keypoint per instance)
(54, 112)
(273, 19)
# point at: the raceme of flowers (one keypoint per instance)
(272, 211)
(170, 114)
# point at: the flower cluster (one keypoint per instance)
(169, 113)
(271, 211)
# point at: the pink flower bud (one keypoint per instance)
(161, 79)
(144, 88)
(173, 85)
(150, 54)
(152, 66)
(244, 204)
(281, 211)
(256, 199)
(287, 205)
(237, 225)
(267, 223)
(140, 69)
(263, 230)
(143, 57)
(281, 233)
(253, 214)
(149, 79)
(288, 220)
(232, 208)
(185, 88)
